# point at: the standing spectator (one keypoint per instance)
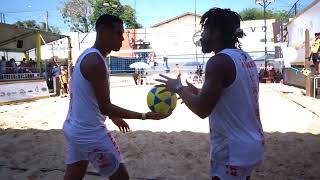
(55, 71)
(135, 77)
(199, 73)
(315, 50)
(165, 62)
(64, 82)
(272, 74)
(177, 70)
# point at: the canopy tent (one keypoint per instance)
(20, 39)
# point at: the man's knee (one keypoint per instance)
(216, 178)
(76, 170)
(121, 173)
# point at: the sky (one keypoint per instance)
(149, 12)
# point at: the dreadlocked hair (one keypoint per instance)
(227, 22)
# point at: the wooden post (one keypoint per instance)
(69, 57)
(309, 80)
(38, 51)
(307, 49)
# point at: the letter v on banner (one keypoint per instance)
(253, 29)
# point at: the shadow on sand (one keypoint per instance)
(38, 154)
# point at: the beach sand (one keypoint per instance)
(32, 145)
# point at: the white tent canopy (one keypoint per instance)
(10, 35)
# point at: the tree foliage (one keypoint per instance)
(76, 14)
(257, 13)
(32, 24)
(114, 7)
(81, 15)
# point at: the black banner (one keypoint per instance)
(278, 37)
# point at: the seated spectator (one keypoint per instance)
(22, 66)
(3, 67)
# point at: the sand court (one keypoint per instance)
(32, 145)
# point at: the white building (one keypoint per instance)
(309, 19)
(173, 37)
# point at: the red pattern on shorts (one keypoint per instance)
(114, 142)
(231, 170)
(103, 161)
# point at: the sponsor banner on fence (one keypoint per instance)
(17, 91)
(121, 81)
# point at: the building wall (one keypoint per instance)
(174, 39)
(310, 19)
(187, 21)
(254, 39)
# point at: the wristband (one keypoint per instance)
(143, 116)
(178, 87)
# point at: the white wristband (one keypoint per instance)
(143, 116)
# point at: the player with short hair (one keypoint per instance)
(86, 136)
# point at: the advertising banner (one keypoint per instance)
(17, 91)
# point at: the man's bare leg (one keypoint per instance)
(121, 173)
(217, 178)
(76, 171)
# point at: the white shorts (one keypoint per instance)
(227, 172)
(104, 156)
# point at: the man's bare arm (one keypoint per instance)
(220, 73)
(94, 70)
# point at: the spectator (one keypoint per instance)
(199, 73)
(33, 66)
(55, 71)
(177, 70)
(3, 65)
(13, 66)
(135, 77)
(64, 82)
(272, 74)
(22, 66)
(315, 50)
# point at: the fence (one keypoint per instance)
(19, 73)
(298, 7)
(160, 63)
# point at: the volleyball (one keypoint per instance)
(164, 102)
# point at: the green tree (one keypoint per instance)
(114, 7)
(76, 14)
(81, 15)
(257, 13)
(282, 15)
(32, 24)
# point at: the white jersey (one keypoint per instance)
(84, 121)
(235, 128)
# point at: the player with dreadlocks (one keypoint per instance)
(229, 97)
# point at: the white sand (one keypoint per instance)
(173, 148)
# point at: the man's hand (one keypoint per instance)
(170, 84)
(191, 88)
(122, 125)
(157, 116)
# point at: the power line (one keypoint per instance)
(28, 11)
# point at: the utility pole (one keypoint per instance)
(265, 35)
(2, 18)
(46, 20)
(195, 24)
(265, 4)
